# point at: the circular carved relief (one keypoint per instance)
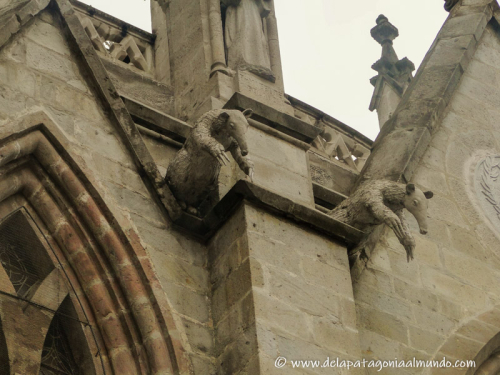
(487, 186)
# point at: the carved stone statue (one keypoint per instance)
(382, 201)
(193, 173)
(246, 43)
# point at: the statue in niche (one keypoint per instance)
(382, 202)
(246, 43)
(193, 173)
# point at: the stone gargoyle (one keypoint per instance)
(381, 201)
(193, 173)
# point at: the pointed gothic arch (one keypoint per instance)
(477, 339)
(136, 327)
(33, 286)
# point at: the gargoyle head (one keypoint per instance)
(416, 202)
(237, 126)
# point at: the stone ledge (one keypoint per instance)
(157, 121)
(178, 130)
(272, 202)
(326, 195)
(275, 119)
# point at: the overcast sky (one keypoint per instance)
(326, 47)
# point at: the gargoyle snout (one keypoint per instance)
(244, 152)
(423, 231)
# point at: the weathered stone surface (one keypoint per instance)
(48, 36)
(199, 336)
(309, 298)
(473, 24)
(384, 302)
(432, 320)
(140, 87)
(188, 302)
(330, 336)
(400, 142)
(283, 181)
(478, 331)
(425, 340)
(450, 51)
(271, 311)
(376, 346)
(323, 275)
(273, 252)
(277, 152)
(452, 289)
(382, 323)
(416, 295)
(376, 279)
(452, 310)
(461, 347)
(270, 283)
(491, 317)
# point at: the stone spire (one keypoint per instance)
(394, 75)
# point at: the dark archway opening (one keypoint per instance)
(4, 354)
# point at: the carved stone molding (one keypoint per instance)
(33, 167)
(487, 188)
(115, 41)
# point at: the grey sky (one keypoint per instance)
(326, 47)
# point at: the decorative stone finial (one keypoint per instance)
(384, 32)
(449, 4)
(397, 73)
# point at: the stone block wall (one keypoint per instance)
(190, 53)
(39, 71)
(231, 278)
(279, 167)
(445, 302)
(279, 290)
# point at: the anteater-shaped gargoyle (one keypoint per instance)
(193, 173)
(381, 201)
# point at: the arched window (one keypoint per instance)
(38, 308)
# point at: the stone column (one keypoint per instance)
(279, 290)
(216, 38)
(159, 15)
(274, 48)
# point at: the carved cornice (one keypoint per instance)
(272, 202)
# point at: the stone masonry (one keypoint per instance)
(119, 279)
